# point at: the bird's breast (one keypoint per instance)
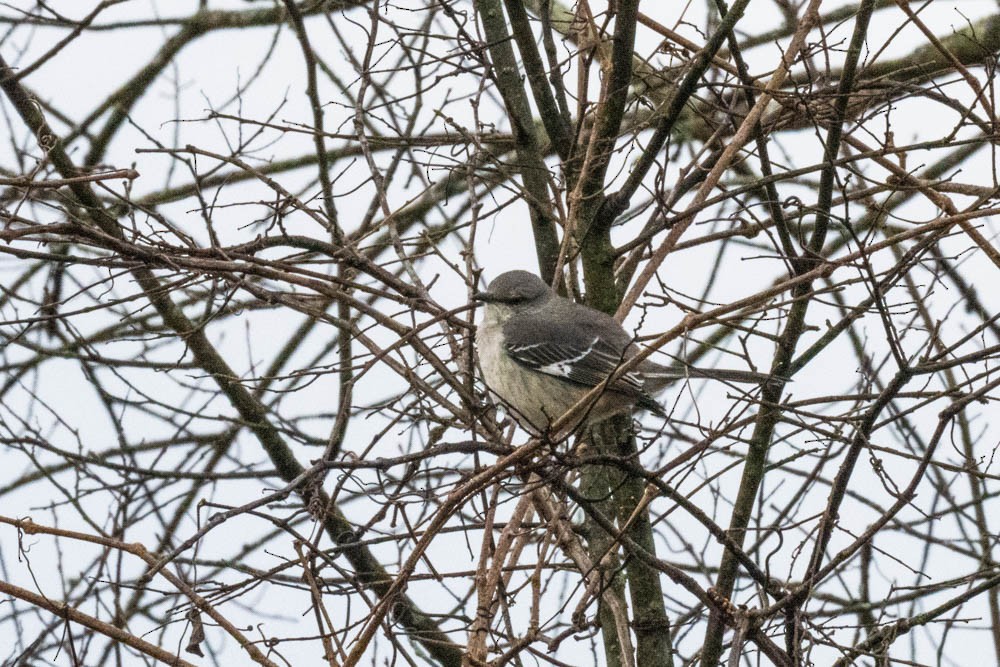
(535, 399)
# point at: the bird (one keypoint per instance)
(540, 353)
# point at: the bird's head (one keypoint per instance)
(515, 290)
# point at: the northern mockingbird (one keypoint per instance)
(541, 353)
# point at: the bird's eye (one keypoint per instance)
(519, 297)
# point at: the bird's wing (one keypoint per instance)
(584, 353)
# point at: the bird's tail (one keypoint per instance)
(659, 377)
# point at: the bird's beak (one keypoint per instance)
(484, 297)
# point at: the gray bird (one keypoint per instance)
(541, 353)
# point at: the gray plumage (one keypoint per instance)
(541, 353)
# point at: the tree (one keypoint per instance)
(240, 409)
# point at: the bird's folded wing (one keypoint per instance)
(573, 355)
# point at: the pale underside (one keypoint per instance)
(536, 399)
